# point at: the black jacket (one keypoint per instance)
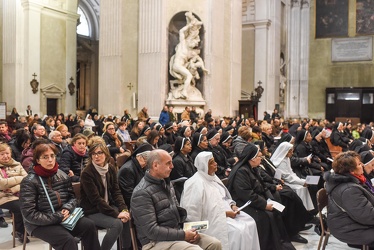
(248, 185)
(354, 225)
(93, 192)
(155, 211)
(220, 158)
(111, 144)
(183, 167)
(72, 161)
(129, 176)
(35, 207)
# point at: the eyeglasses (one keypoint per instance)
(47, 157)
(99, 153)
(110, 128)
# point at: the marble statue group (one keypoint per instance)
(186, 61)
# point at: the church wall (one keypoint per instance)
(1, 49)
(53, 52)
(324, 73)
(130, 49)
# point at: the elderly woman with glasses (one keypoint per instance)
(350, 210)
(11, 175)
(40, 219)
(101, 198)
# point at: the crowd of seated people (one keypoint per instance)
(259, 161)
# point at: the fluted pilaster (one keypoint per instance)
(153, 65)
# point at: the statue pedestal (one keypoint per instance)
(179, 106)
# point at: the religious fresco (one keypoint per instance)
(364, 17)
(331, 18)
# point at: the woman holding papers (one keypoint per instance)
(245, 184)
(281, 159)
(205, 197)
(350, 210)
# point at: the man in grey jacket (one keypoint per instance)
(157, 214)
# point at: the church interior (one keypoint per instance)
(306, 58)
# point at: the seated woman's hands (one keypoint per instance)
(65, 213)
(232, 213)
(124, 216)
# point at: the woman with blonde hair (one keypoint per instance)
(136, 130)
(112, 140)
(11, 175)
(50, 125)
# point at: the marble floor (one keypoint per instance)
(36, 244)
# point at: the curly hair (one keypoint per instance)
(345, 162)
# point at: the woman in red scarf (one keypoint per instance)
(350, 210)
(74, 157)
(40, 219)
(11, 175)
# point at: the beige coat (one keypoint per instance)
(11, 185)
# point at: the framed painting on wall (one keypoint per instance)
(364, 17)
(331, 18)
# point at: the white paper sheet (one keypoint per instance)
(312, 179)
(244, 206)
(276, 205)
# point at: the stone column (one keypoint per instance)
(71, 55)
(110, 56)
(13, 80)
(304, 58)
(152, 76)
(293, 90)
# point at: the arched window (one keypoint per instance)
(83, 27)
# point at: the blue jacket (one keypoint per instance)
(164, 118)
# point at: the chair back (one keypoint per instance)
(322, 199)
(77, 190)
(121, 159)
(134, 238)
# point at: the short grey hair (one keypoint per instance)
(154, 156)
(53, 134)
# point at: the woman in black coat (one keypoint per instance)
(112, 140)
(183, 164)
(199, 144)
(39, 219)
(350, 210)
(74, 157)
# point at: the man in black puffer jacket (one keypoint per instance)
(156, 212)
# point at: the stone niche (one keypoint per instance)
(195, 89)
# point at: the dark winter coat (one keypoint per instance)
(350, 210)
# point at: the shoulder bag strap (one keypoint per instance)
(45, 190)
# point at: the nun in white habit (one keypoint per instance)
(205, 197)
(281, 160)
